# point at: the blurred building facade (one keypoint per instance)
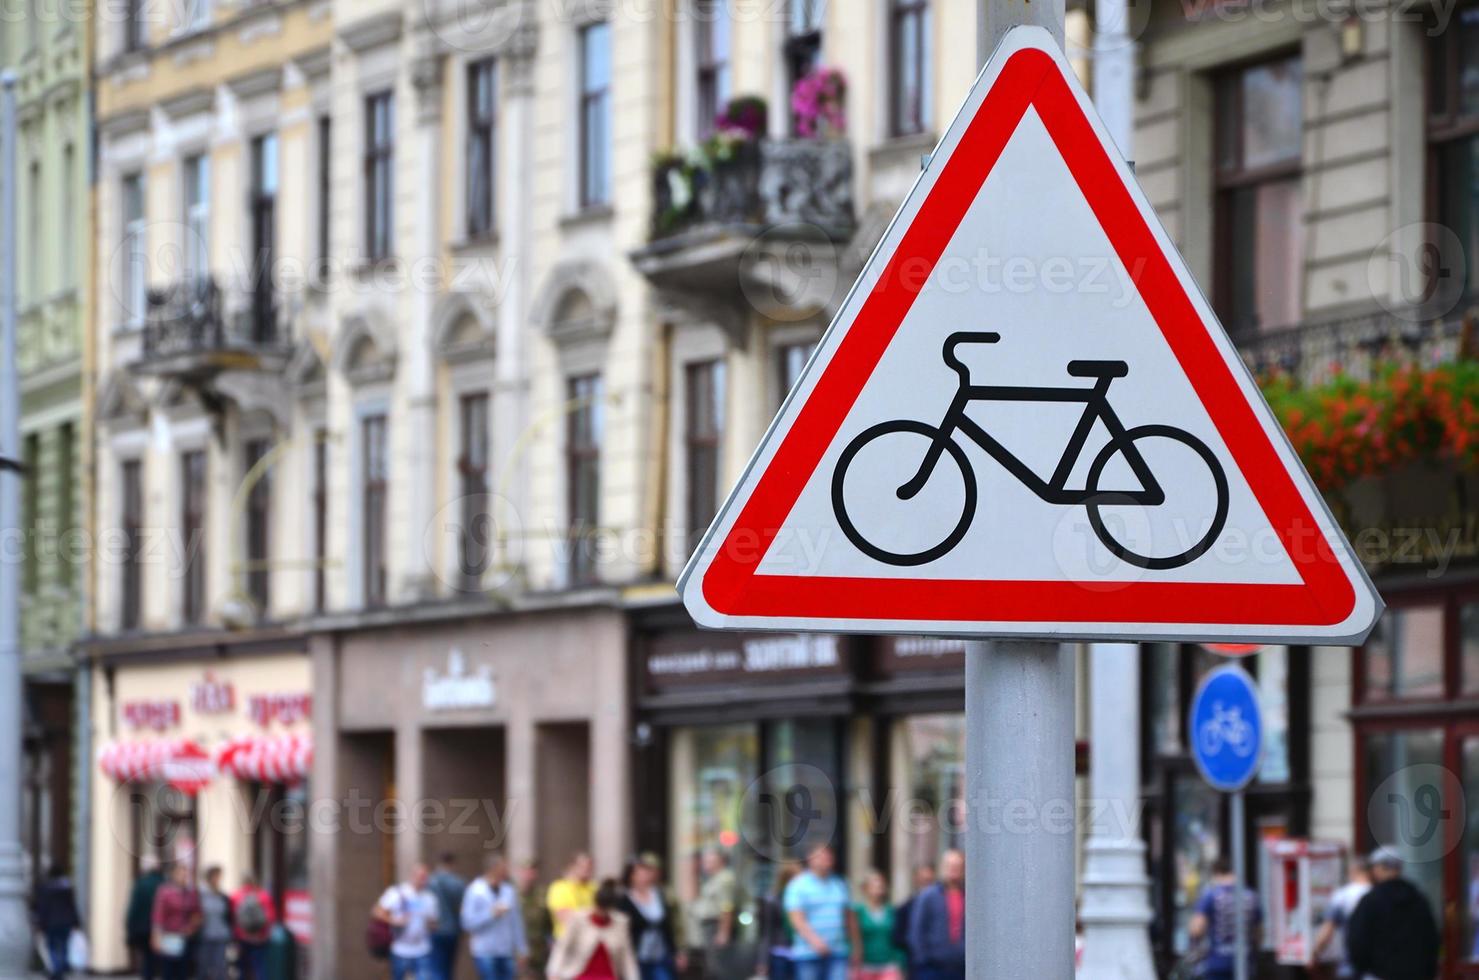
(49, 56)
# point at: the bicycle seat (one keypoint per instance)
(1098, 369)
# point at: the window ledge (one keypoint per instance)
(900, 149)
(475, 243)
(589, 215)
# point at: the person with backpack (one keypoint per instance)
(253, 914)
(410, 911)
(448, 887)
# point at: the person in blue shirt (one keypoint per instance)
(1215, 922)
(819, 908)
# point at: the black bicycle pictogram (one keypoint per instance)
(1122, 442)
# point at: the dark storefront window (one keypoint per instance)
(192, 533)
(1259, 240)
(583, 474)
(1453, 144)
(165, 825)
(280, 838)
(935, 753)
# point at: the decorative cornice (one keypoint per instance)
(316, 64)
(124, 124)
(256, 83)
(373, 32)
(189, 103)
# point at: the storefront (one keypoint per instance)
(201, 756)
(462, 732)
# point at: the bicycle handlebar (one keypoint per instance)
(965, 337)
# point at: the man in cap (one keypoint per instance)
(1392, 935)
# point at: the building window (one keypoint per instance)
(595, 114)
(379, 176)
(1453, 149)
(790, 362)
(482, 118)
(165, 826)
(475, 546)
(711, 23)
(135, 25)
(197, 14)
(192, 534)
(68, 238)
(31, 513)
(258, 525)
(583, 474)
(263, 216)
(325, 194)
(135, 260)
(35, 263)
(934, 747)
(320, 516)
(197, 217)
(374, 490)
(65, 494)
(1259, 240)
(803, 44)
(131, 497)
(910, 64)
(703, 441)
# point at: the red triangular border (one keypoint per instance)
(731, 587)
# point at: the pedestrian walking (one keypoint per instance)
(1214, 924)
(138, 920)
(596, 943)
(776, 935)
(535, 913)
(572, 893)
(1392, 935)
(881, 958)
(937, 924)
(817, 904)
(448, 887)
(410, 910)
(651, 920)
(715, 910)
(494, 922)
(214, 945)
(1338, 916)
(924, 876)
(176, 920)
(55, 911)
(253, 915)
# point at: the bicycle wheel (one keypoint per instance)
(1097, 500)
(882, 543)
(1210, 738)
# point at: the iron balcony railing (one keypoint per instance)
(190, 317)
(1357, 346)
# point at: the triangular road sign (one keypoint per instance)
(1026, 421)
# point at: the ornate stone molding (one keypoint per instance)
(451, 338)
(577, 302)
(366, 350)
(373, 32)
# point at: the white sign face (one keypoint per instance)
(458, 689)
(1026, 421)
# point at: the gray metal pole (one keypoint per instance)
(1240, 947)
(15, 925)
(1019, 747)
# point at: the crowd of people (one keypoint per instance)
(812, 926)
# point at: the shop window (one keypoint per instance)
(258, 526)
(1259, 243)
(1468, 639)
(280, 838)
(1399, 763)
(131, 493)
(722, 761)
(934, 746)
(165, 825)
(375, 489)
(379, 176)
(1453, 144)
(482, 117)
(1196, 843)
(704, 441)
(192, 534)
(1404, 655)
(474, 544)
(711, 25)
(1273, 697)
(910, 65)
(583, 474)
(595, 114)
(1469, 848)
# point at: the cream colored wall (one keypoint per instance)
(224, 812)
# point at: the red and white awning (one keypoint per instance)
(267, 758)
(180, 762)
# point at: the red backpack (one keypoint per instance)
(378, 937)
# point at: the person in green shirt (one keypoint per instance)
(882, 960)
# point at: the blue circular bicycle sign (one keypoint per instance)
(1226, 729)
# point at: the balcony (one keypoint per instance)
(191, 334)
(737, 225)
(1357, 346)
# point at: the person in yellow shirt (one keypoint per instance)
(573, 893)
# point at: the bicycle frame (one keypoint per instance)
(1054, 490)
